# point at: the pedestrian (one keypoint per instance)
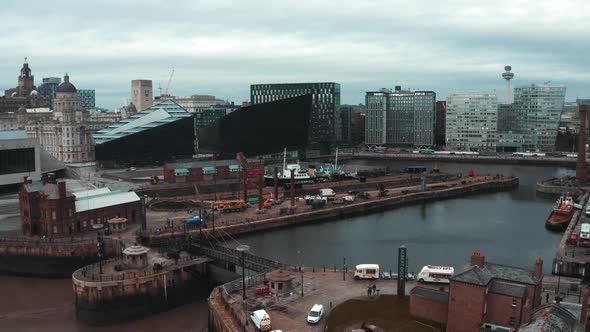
(547, 298)
(374, 289)
(369, 291)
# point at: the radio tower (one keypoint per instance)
(507, 75)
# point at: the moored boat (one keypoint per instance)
(561, 214)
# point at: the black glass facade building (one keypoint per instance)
(260, 129)
(325, 120)
(162, 132)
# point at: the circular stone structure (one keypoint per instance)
(280, 281)
(136, 256)
(117, 224)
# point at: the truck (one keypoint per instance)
(327, 192)
(193, 221)
(261, 320)
(230, 206)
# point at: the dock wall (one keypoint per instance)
(58, 259)
(348, 210)
(112, 299)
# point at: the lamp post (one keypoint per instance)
(300, 270)
(99, 244)
(243, 248)
(344, 268)
(559, 279)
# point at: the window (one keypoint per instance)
(53, 216)
(272, 285)
(512, 321)
(513, 303)
(280, 285)
(70, 212)
(54, 229)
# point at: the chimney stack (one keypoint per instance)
(538, 268)
(581, 163)
(584, 313)
(398, 88)
(477, 258)
(62, 189)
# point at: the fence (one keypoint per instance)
(90, 272)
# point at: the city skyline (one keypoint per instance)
(453, 47)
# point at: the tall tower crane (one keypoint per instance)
(169, 81)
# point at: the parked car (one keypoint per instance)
(315, 314)
(575, 234)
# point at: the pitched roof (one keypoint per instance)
(51, 190)
(160, 114)
(507, 288)
(431, 294)
(98, 201)
(482, 276)
(552, 318)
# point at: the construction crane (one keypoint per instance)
(169, 81)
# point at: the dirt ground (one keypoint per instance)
(385, 311)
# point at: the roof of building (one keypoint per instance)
(49, 189)
(206, 163)
(99, 201)
(482, 276)
(90, 193)
(135, 250)
(552, 318)
(160, 114)
(66, 86)
(431, 294)
(13, 134)
(507, 288)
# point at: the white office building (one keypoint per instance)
(472, 119)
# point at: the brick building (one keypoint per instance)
(484, 296)
(47, 208)
(202, 171)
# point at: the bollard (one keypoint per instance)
(324, 269)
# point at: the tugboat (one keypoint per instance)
(562, 213)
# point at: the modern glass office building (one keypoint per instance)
(375, 120)
(538, 107)
(401, 117)
(472, 119)
(325, 122)
(87, 98)
(48, 89)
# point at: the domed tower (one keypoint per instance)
(26, 81)
(67, 101)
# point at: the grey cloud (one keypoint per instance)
(221, 47)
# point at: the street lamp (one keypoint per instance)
(343, 268)
(99, 244)
(300, 271)
(243, 248)
(559, 279)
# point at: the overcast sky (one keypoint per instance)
(221, 47)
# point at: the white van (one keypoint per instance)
(585, 231)
(261, 320)
(366, 271)
(432, 273)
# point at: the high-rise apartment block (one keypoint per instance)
(400, 117)
(440, 123)
(142, 94)
(472, 119)
(325, 122)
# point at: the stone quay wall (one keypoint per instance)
(111, 298)
(359, 208)
(56, 258)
